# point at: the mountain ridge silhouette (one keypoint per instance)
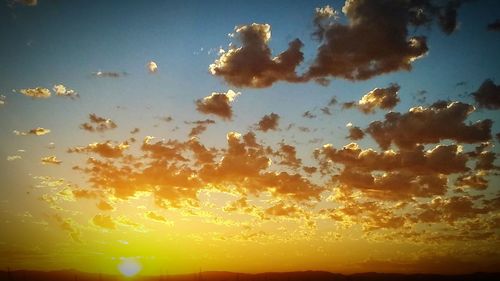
(75, 275)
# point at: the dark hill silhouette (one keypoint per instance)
(72, 275)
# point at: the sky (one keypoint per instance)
(250, 136)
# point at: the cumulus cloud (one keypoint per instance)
(104, 221)
(355, 133)
(252, 64)
(323, 17)
(98, 124)
(383, 98)
(422, 125)
(36, 131)
(38, 92)
(268, 122)
(376, 40)
(477, 181)
(494, 26)
(488, 95)
(50, 160)
(62, 91)
(395, 175)
(152, 67)
(449, 209)
(104, 149)
(288, 154)
(218, 104)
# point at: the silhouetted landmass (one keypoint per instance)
(72, 275)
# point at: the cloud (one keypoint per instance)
(422, 125)
(13, 157)
(322, 18)
(383, 98)
(201, 126)
(494, 26)
(288, 154)
(69, 226)
(36, 131)
(152, 67)
(156, 217)
(108, 74)
(488, 95)
(2, 99)
(309, 115)
(375, 40)
(268, 122)
(476, 181)
(38, 92)
(394, 175)
(27, 2)
(62, 91)
(39, 131)
(104, 149)
(98, 124)
(282, 210)
(105, 206)
(50, 160)
(252, 64)
(104, 221)
(449, 209)
(355, 133)
(218, 104)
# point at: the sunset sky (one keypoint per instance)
(250, 136)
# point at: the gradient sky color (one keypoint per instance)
(301, 209)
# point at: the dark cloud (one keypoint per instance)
(488, 95)
(422, 125)
(383, 98)
(326, 110)
(218, 104)
(494, 26)
(376, 40)
(252, 64)
(98, 124)
(392, 175)
(355, 133)
(201, 126)
(268, 122)
(309, 115)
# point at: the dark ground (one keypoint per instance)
(71, 275)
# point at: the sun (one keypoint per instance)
(129, 267)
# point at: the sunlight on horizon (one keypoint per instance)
(129, 267)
